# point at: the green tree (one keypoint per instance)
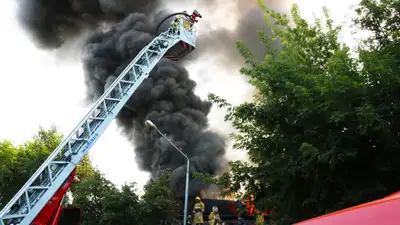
(18, 163)
(323, 131)
(103, 203)
(7, 161)
(160, 202)
(94, 194)
(124, 207)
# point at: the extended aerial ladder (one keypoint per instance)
(39, 200)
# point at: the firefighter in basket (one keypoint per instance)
(194, 16)
(174, 26)
(187, 22)
(198, 212)
(214, 218)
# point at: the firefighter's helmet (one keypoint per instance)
(196, 13)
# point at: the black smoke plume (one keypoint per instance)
(120, 29)
(52, 23)
(167, 98)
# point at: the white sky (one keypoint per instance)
(40, 90)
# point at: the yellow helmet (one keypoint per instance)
(197, 198)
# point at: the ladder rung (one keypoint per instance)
(39, 187)
(153, 51)
(113, 99)
(96, 118)
(127, 82)
(79, 139)
(59, 162)
(14, 216)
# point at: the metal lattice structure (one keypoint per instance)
(39, 189)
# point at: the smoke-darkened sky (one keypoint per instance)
(167, 97)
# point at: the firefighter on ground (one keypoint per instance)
(198, 212)
(214, 217)
(259, 218)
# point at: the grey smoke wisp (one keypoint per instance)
(222, 41)
(167, 97)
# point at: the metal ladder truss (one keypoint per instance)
(39, 189)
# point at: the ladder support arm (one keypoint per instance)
(39, 189)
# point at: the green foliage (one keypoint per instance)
(105, 204)
(91, 195)
(123, 207)
(7, 161)
(18, 163)
(381, 18)
(159, 199)
(322, 133)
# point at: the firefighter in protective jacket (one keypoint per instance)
(259, 218)
(194, 16)
(198, 211)
(174, 26)
(214, 217)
